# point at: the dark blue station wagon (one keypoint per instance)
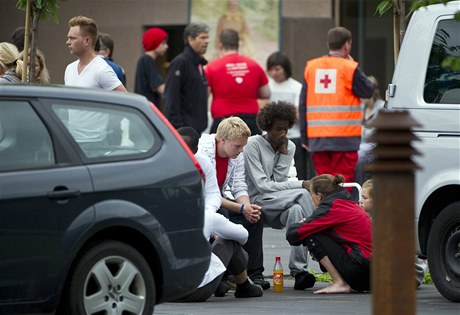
(101, 204)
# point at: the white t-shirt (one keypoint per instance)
(288, 91)
(89, 126)
(97, 74)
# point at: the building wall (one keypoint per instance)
(123, 20)
(304, 26)
(302, 46)
(307, 8)
(372, 38)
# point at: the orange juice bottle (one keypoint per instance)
(278, 276)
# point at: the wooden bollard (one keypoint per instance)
(393, 264)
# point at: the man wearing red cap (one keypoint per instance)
(148, 79)
(186, 89)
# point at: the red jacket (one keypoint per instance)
(341, 218)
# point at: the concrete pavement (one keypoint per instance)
(429, 300)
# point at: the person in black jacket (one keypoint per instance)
(338, 235)
(148, 81)
(186, 87)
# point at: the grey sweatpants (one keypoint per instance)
(280, 209)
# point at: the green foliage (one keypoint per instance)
(47, 9)
(321, 277)
(386, 5)
(427, 278)
(451, 62)
(326, 277)
(417, 4)
(383, 7)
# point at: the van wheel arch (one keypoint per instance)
(432, 207)
(444, 252)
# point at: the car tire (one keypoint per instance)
(444, 252)
(114, 278)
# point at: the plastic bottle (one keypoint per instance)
(278, 276)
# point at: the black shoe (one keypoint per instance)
(221, 289)
(261, 282)
(230, 281)
(248, 290)
(304, 280)
(322, 268)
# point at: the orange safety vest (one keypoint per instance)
(332, 108)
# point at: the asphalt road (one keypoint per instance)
(429, 301)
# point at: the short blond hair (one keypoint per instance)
(87, 25)
(369, 186)
(232, 128)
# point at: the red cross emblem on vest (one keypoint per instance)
(325, 81)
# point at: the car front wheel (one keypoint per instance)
(112, 278)
(444, 252)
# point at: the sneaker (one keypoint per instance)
(261, 282)
(322, 268)
(248, 290)
(221, 289)
(304, 280)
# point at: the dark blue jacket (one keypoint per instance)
(186, 91)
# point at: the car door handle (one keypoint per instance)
(63, 194)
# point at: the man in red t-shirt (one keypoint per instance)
(236, 83)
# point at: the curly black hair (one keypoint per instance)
(276, 110)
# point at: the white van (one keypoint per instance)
(431, 94)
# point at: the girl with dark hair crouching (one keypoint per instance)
(338, 235)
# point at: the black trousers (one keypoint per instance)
(357, 275)
(303, 161)
(254, 245)
(232, 256)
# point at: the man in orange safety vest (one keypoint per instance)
(329, 108)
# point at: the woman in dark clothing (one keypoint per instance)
(338, 234)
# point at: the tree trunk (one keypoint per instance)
(402, 21)
(396, 32)
(33, 51)
(399, 25)
(26, 42)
